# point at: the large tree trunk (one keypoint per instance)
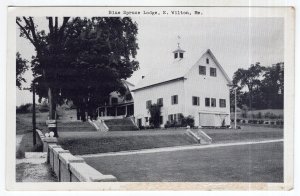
(52, 109)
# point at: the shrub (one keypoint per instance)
(270, 115)
(37, 148)
(20, 154)
(155, 112)
(243, 121)
(238, 120)
(223, 123)
(254, 121)
(259, 115)
(260, 121)
(24, 108)
(244, 111)
(44, 107)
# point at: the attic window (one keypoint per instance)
(213, 72)
(207, 60)
(181, 55)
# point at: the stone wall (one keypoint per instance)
(67, 167)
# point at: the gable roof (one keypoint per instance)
(177, 69)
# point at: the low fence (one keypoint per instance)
(278, 122)
(67, 167)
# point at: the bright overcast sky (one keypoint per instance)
(236, 43)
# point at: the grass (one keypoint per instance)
(75, 126)
(246, 133)
(24, 122)
(92, 143)
(26, 145)
(247, 163)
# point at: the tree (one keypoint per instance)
(273, 86)
(21, 67)
(155, 112)
(105, 52)
(83, 59)
(48, 49)
(249, 78)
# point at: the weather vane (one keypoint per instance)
(178, 43)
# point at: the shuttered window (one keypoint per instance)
(195, 100)
(213, 72)
(174, 99)
(222, 103)
(213, 102)
(207, 102)
(202, 70)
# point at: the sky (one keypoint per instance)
(235, 42)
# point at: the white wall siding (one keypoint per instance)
(206, 86)
(164, 91)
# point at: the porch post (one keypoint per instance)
(125, 110)
(116, 111)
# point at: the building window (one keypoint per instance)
(196, 100)
(148, 104)
(174, 99)
(207, 60)
(170, 118)
(207, 102)
(202, 70)
(161, 120)
(146, 119)
(160, 102)
(222, 103)
(213, 102)
(176, 55)
(181, 55)
(213, 72)
(114, 100)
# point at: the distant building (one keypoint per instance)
(187, 86)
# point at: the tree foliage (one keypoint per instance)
(259, 87)
(249, 78)
(21, 67)
(83, 59)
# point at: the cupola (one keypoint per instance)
(178, 53)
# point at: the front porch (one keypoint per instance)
(115, 111)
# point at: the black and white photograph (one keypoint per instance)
(152, 94)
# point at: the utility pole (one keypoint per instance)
(33, 115)
(234, 108)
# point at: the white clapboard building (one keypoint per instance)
(195, 86)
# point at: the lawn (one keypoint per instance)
(246, 133)
(24, 122)
(100, 142)
(92, 142)
(245, 163)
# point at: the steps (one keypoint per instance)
(200, 136)
(125, 124)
